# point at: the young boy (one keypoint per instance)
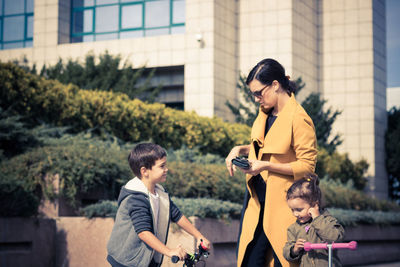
(144, 213)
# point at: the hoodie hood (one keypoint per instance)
(136, 186)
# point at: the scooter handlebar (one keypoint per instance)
(309, 246)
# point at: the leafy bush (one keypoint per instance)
(338, 195)
(200, 207)
(339, 167)
(105, 208)
(225, 210)
(129, 120)
(83, 165)
(392, 146)
(190, 180)
(18, 199)
(355, 217)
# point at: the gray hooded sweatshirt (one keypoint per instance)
(135, 215)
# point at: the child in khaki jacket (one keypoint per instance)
(313, 225)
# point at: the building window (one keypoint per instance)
(94, 20)
(16, 24)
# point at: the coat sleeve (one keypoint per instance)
(291, 240)
(140, 214)
(176, 214)
(304, 143)
(328, 228)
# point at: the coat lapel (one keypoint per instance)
(279, 137)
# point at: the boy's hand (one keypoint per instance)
(314, 211)
(179, 251)
(206, 243)
(299, 245)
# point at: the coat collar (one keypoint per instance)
(279, 136)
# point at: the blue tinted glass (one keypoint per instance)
(83, 21)
(177, 29)
(130, 34)
(14, 7)
(132, 16)
(157, 14)
(1, 7)
(108, 36)
(28, 44)
(107, 18)
(14, 28)
(29, 28)
(105, 2)
(88, 38)
(155, 32)
(29, 6)
(13, 45)
(82, 3)
(1, 28)
(178, 12)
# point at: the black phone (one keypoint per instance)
(242, 163)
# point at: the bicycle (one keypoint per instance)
(192, 259)
(309, 246)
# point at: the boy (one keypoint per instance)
(144, 213)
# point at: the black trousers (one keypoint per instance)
(258, 247)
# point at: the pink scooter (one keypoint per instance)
(309, 246)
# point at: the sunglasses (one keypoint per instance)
(258, 93)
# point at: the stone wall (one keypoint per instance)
(78, 241)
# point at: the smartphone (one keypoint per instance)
(242, 163)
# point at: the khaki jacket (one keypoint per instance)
(292, 140)
(322, 229)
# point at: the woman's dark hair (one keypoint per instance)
(307, 189)
(268, 70)
(145, 155)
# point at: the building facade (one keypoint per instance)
(200, 47)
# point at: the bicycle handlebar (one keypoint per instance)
(190, 259)
(309, 246)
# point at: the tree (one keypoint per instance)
(392, 145)
(323, 120)
(102, 73)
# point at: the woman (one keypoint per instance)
(282, 149)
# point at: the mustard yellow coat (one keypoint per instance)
(292, 140)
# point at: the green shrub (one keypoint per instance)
(105, 208)
(355, 217)
(17, 198)
(338, 195)
(83, 165)
(128, 120)
(201, 207)
(190, 180)
(225, 210)
(339, 167)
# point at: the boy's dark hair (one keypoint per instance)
(145, 155)
(307, 189)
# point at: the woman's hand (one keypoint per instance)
(233, 154)
(256, 166)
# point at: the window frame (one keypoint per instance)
(120, 31)
(25, 41)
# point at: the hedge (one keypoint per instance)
(225, 210)
(130, 120)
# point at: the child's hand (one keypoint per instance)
(179, 251)
(206, 243)
(299, 245)
(314, 211)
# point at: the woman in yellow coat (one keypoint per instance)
(282, 149)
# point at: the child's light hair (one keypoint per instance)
(307, 189)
